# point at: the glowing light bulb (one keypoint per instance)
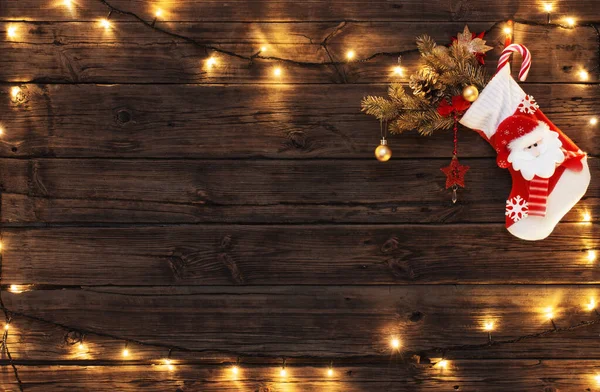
(586, 217)
(1, 132)
(350, 54)
(283, 372)
(6, 327)
(81, 346)
(489, 326)
(570, 21)
(507, 30)
(263, 48)
(105, 23)
(14, 92)
(11, 31)
(549, 313)
(398, 70)
(548, 7)
(158, 13)
(597, 378)
(591, 256)
(15, 288)
(68, 3)
(593, 120)
(235, 370)
(277, 71)
(330, 372)
(583, 75)
(125, 352)
(443, 364)
(591, 305)
(169, 364)
(395, 343)
(211, 61)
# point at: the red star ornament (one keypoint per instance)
(455, 173)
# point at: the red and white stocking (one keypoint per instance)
(550, 173)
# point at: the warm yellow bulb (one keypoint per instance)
(586, 217)
(591, 305)
(584, 75)
(125, 352)
(507, 31)
(14, 92)
(277, 71)
(597, 378)
(398, 70)
(81, 346)
(263, 48)
(211, 61)
(15, 288)
(158, 13)
(350, 54)
(570, 21)
(489, 326)
(235, 370)
(105, 23)
(1, 132)
(283, 372)
(593, 120)
(591, 256)
(68, 3)
(548, 7)
(395, 343)
(6, 327)
(549, 313)
(330, 372)
(443, 364)
(11, 31)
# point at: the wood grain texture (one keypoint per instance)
(263, 191)
(289, 10)
(297, 254)
(325, 323)
(463, 375)
(132, 53)
(289, 121)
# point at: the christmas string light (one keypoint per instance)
(593, 120)
(591, 255)
(570, 21)
(350, 54)
(11, 31)
(395, 344)
(283, 371)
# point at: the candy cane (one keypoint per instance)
(510, 49)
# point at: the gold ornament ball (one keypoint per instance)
(383, 153)
(470, 93)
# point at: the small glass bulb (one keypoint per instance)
(548, 7)
(158, 13)
(350, 54)
(81, 346)
(586, 217)
(570, 21)
(591, 305)
(398, 70)
(549, 313)
(584, 75)
(14, 92)
(283, 372)
(507, 31)
(597, 378)
(263, 48)
(277, 71)
(593, 120)
(11, 31)
(211, 61)
(105, 23)
(6, 327)
(489, 326)
(395, 343)
(330, 372)
(443, 364)
(67, 3)
(125, 352)
(591, 256)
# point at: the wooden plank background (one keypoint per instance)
(234, 216)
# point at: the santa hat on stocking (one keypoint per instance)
(510, 120)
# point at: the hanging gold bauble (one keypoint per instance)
(383, 153)
(470, 93)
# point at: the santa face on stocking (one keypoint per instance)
(550, 173)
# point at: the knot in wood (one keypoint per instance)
(73, 337)
(297, 139)
(123, 116)
(390, 245)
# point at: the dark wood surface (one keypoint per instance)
(232, 215)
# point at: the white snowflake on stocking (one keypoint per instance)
(516, 208)
(528, 105)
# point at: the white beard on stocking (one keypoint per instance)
(537, 153)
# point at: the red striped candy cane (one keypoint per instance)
(508, 51)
